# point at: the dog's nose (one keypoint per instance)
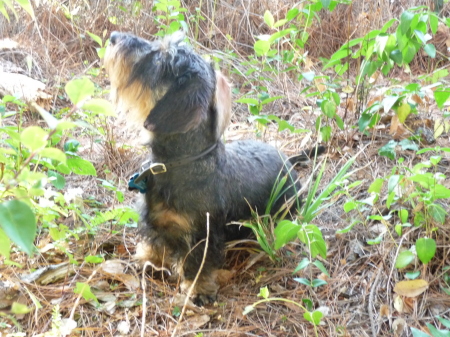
(114, 37)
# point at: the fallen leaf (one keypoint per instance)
(411, 288)
(398, 326)
(113, 267)
(398, 304)
(384, 310)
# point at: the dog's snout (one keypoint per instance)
(114, 37)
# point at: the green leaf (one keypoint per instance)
(426, 249)
(403, 215)
(264, 292)
(407, 144)
(248, 100)
(441, 96)
(321, 267)
(318, 282)
(376, 186)
(57, 180)
(375, 241)
(94, 259)
(268, 19)
(81, 166)
(403, 111)
(405, 21)
(393, 182)
(445, 322)
(437, 333)
(285, 232)
(325, 132)
(413, 275)
(53, 153)
(437, 212)
(404, 259)
(96, 38)
(18, 221)
(279, 34)
(313, 317)
(292, 13)
(100, 107)
(302, 280)
(261, 47)
(325, 3)
(5, 244)
(388, 150)
(388, 102)
(418, 333)
(396, 56)
(85, 290)
(329, 108)
(26, 5)
(80, 89)
(434, 22)
(350, 206)
(302, 265)
(19, 309)
(430, 50)
(409, 52)
(34, 138)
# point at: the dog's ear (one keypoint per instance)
(223, 103)
(183, 106)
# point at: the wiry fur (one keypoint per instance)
(179, 97)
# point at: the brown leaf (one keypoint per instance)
(384, 310)
(411, 288)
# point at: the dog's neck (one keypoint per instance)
(168, 147)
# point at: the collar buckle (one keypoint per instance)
(157, 168)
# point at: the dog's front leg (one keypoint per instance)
(205, 287)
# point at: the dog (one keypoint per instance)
(185, 105)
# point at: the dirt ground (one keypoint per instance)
(359, 297)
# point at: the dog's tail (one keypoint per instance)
(304, 157)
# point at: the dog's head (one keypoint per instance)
(164, 85)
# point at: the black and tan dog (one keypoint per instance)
(186, 105)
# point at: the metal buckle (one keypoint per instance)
(158, 168)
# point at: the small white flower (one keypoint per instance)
(72, 194)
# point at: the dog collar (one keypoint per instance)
(139, 180)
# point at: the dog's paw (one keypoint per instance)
(202, 299)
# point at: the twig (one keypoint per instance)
(191, 288)
(371, 295)
(144, 297)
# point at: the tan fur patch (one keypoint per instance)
(223, 103)
(159, 259)
(206, 284)
(165, 217)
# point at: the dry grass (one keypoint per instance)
(361, 276)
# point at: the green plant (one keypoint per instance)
(314, 317)
(33, 164)
(169, 16)
(8, 4)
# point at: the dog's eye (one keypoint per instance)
(182, 79)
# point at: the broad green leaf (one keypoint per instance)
(388, 150)
(405, 21)
(380, 43)
(364, 121)
(34, 138)
(279, 34)
(81, 166)
(85, 290)
(309, 76)
(261, 47)
(248, 100)
(426, 249)
(430, 50)
(302, 280)
(285, 232)
(53, 153)
(403, 111)
(57, 180)
(80, 89)
(264, 292)
(292, 13)
(412, 275)
(329, 108)
(268, 19)
(403, 215)
(5, 244)
(409, 52)
(434, 22)
(18, 222)
(325, 132)
(437, 212)
(441, 96)
(436, 332)
(350, 206)
(396, 56)
(404, 259)
(99, 106)
(445, 322)
(19, 309)
(325, 3)
(376, 186)
(313, 317)
(393, 182)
